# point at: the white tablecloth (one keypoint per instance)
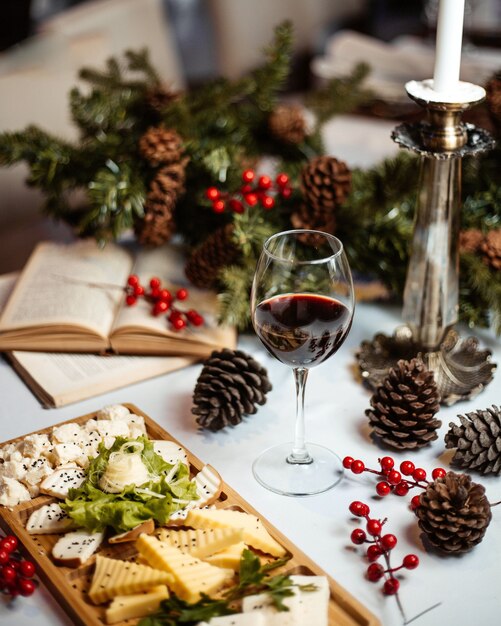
(467, 587)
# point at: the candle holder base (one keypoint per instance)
(460, 367)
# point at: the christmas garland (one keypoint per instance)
(159, 162)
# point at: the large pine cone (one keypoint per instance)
(493, 100)
(454, 513)
(491, 249)
(478, 441)
(287, 123)
(304, 219)
(170, 178)
(230, 386)
(158, 98)
(325, 183)
(161, 145)
(157, 225)
(207, 259)
(470, 240)
(403, 407)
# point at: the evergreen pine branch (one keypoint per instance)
(139, 61)
(480, 293)
(236, 281)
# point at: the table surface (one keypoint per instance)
(466, 587)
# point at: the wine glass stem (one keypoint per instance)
(299, 454)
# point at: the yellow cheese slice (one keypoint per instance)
(136, 605)
(254, 533)
(229, 558)
(191, 575)
(115, 578)
(201, 542)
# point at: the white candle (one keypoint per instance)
(448, 45)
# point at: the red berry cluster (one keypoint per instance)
(394, 480)
(163, 302)
(16, 573)
(379, 546)
(262, 190)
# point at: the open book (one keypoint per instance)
(70, 298)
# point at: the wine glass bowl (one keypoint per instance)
(302, 307)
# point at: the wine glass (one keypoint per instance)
(302, 305)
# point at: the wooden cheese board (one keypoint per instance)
(69, 586)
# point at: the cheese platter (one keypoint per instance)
(220, 512)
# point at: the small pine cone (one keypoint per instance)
(170, 178)
(207, 259)
(157, 225)
(478, 441)
(325, 183)
(470, 240)
(303, 219)
(230, 386)
(287, 123)
(493, 100)
(454, 513)
(161, 145)
(403, 407)
(491, 249)
(158, 98)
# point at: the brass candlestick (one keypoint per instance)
(431, 293)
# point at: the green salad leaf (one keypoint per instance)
(167, 491)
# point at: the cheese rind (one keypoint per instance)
(113, 577)
(136, 605)
(254, 533)
(201, 542)
(191, 575)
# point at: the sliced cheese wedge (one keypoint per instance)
(170, 452)
(254, 533)
(49, 519)
(191, 575)
(209, 486)
(113, 577)
(229, 558)
(136, 605)
(59, 483)
(201, 542)
(74, 548)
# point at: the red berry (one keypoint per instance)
(347, 461)
(133, 280)
(375, 572)
(4, 557)
(14, 563)
(286, 193)
(374, 527)
(402, 489)
(411, 561)
(267, 202)
(387, 463)
(160, 307)
(248, 176)
(12, 539)
(155, 282)
(251, 199)
(359, 508)
(358, 536)
(388, 541)
(130, 300)
(394, 477)
(236, 206)
(27, 569)
(182, 294)
(218, 206)
(357, 467)
(282, 180)
(179, 323)
(391, 586)
(407, 467)
(155, 293)
(419, 474)
(374, 552)
(12, 589)
(246, 189)
(438, 472)
(383, 489)
(415, 502)
(194, 318)
(138, 290)
(213, 193)
(264, 182)
(26, 587)
(8, 574)
(164, 295)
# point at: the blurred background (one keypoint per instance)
(43, 44)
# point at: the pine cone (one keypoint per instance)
(454, 513)
(230, 385)
(493, 100)
(170, 178)
(305, 220)
(470, 240)
(287, 123)
(158, 98)
(207, 259)
(326, 183)
(404, 405)
(161, 145)
(491, 248)
(478, 441)
(157, 225)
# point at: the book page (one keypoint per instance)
(167, 263)
(78, 284)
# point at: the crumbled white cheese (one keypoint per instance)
(64, 453)
(68, 433)
(12, 492)
(113, 412)
(15, 469)
(35, 445)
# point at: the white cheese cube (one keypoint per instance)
(7, 450)
(313, 605)
(15, 468)
(37, 471)
(112, 412)
(12, 492)
(262, 603)
(256, 618)
(35, 446)
(67, 433)
(65, 453)
(115, 428)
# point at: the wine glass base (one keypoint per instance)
(272, 470)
